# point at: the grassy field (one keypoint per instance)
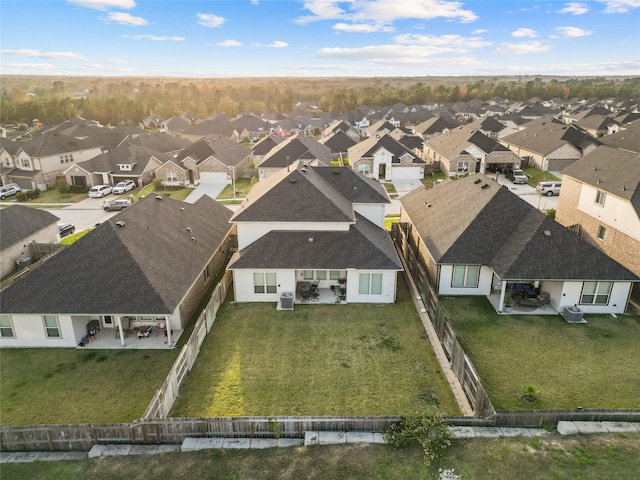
(553, 457)
(534, 175)
(593, 365)
(315, 360)
(180, 194)
(55, 385)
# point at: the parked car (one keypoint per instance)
(100, 191)
(549, 188)
(116, 205)
(123, 187)
(517, 176)
(65, 229)
(8, 190)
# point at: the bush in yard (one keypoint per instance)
(28, 195)
(63, 187)
(431, 432)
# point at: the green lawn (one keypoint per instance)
(316, 360)
(593, 365)
(52, 195)
(243, 185)
(536, 175)
(55, 385)
(179, 194)
(553, 457)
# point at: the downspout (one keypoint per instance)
(503, 288)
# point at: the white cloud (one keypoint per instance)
(104, 4)
(524, 32)
(397, 54)
(575, 8)
(154, 38)
(522, 48)
(451, 42)
(28, 66)
(277, 44)
(385, 11)
(210, 20)
(573, 32)
(117, 61)
(28, 52)
(620, 6)
(229, 43)
(92, 66)
(362, 28)
(479, 31)
(126, 19)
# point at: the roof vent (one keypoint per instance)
(303, 170)
(547, 233)
(292, 180)
(120, 223)
(485, 186)
(158, 197)
(595, 169)
(310, 239)
(427, 204)
(189, 229)
(477, 181)
(182, 209)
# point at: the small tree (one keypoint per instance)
(529, 393)
(63, 187)
(429, 431)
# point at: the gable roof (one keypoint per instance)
(625, 139)
(368, 147)
(126, 154)
(338, 141)
(494, 227)
(267, 143)
(363, 246)
(138, 268)
(53, 143)
(295, 148)
(223, 149)
(611, 170)
(545, 135)
(18, 222)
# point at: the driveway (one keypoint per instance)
(405, 186)
(528, 193)
(211, 189)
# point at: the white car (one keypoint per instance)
(8, 190)
(100, 191)
(123, 187)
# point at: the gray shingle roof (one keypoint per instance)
(53, 143)
(144, 267)
(545, 135)
(363, 246)
(223, 149)
(18, 222)
(627, 138)
(468, 224)
(295, 148)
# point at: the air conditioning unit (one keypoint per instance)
(286, 301)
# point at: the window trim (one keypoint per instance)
(602, 231)
(366, 283)
(47, 328)
(465, 276)
(5, 327)
(171, 176)
(267, 286)
(595, 293)
(601, 197)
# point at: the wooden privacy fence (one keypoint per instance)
(162, 402)
(458, 359)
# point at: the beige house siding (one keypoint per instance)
(12, 253)
(422, 254)
(182, 175)
(618, 245)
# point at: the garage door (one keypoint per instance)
(405, 173)
(214, 177)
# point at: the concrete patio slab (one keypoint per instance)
(462, 432)
(378, 438)
(615, 427)
(567, 428)
(237, 443)
(487, 432)
(590, 427)
(5, 457)
(290, 442)
(332, 438)
(514, 432)
(76, 455)
(168, 448)
(263, 443)
(51, 456)
(359, 437)
(191, 444)
(143, 449)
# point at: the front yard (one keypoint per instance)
(346, 360)
(55, 385)
(593, 365)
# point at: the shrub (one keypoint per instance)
(429, 431)
(63, 187)
(28, 195)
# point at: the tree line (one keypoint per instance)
(113, 101)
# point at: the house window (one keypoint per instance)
(61, 159)
(363, 168)
(307, 274)
(51, 327)
(465, 276)
(321, 274)
(264, 283)
(370, 283)
(6, 328)
(595, 293)
(206, 273)
(172, 176)
(600, 198)
(334, 274)
(25, 162)
(463, 166)
(601, 232)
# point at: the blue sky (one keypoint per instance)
(317, 38)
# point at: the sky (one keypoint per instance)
(319, 38)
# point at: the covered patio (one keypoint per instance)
(107, 339)
(525, 308)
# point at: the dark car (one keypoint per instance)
(65, 229)
(116, 205)
(517, 176)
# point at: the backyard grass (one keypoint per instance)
(534, 175)
(593, 365)
(390, 219)
(552, 457)
(352, 360)
(243, 185)
(55, 385)
(68, 240)
(179, 194)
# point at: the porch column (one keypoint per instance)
(503, 289)
(168, 331)
(119, 327)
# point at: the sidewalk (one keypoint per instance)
(311, 438)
